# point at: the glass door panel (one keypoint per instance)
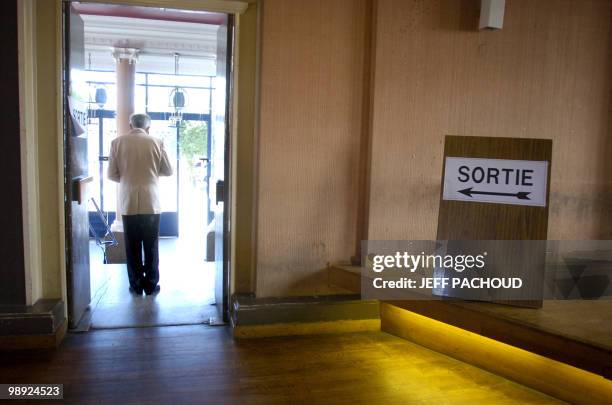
(168, 186)
(109, 188)
(153, 97)
(93, 149)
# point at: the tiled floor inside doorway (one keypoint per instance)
(186, 296)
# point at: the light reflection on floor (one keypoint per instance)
(186, 296)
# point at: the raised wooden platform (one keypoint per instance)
(542, 373)
(568, 339)
(578, 333)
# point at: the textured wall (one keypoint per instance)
(244, 278)
(547, 74)
(49, 184)
(309, 141)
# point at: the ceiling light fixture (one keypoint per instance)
(178, 96)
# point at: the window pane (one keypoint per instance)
(198, 101)
(110, 187)
(159, 99)
(183, 81)
(159, 90)
(140, 99)
(167, 185)
(98, 76)
(140, 78)
(94, 164)
(111, 96)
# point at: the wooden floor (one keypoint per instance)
(202, 364)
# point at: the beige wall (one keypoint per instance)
(311, 79)
(29, 149)
(244, 268)
(49, 183)
(547, 74)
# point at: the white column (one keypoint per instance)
(125, 59)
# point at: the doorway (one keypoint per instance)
(181, 79)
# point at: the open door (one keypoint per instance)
(76, 177)
(220, 155)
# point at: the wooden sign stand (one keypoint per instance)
(467, 220)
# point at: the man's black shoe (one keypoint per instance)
(155, 290)
(136, 291)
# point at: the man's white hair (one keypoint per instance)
(142, 121)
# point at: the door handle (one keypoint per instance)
(103, 158)
(220, 191)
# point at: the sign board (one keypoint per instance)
(498, 181)
(78, 115)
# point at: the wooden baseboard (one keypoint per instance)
(39, 326)
(262, 317)
(30, 342)
(549, 376)
(306, 328)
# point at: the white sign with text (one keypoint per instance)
(498, 181)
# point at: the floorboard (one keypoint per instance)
(202, 364)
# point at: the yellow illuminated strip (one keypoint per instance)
(541, 373)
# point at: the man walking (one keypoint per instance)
(136, 162)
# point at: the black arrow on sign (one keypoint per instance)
(521, 195)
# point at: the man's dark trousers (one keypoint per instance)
(142, 235)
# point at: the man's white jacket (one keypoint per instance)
(136, 161)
